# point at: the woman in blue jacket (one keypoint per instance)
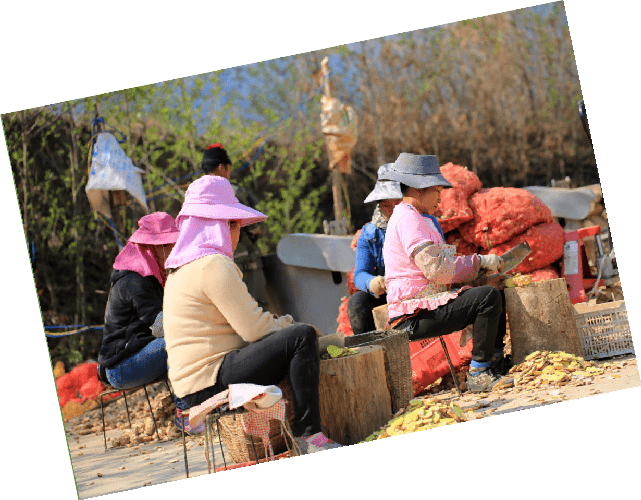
(369, 271)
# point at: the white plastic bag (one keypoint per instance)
(112, 170)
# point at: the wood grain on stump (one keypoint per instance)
(354, 395)
(541, 317)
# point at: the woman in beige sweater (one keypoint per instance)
(215, 333)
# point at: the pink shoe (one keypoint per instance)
(315, 442)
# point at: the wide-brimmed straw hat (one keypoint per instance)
(212, 197)
(385, 189)
(417, 171)
(157, 228)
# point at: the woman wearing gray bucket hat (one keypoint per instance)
(369, 269)
(431, 290)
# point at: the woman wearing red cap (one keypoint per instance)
(131, 355)
(215, 332)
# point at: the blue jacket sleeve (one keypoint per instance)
(365, 264)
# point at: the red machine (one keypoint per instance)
(576, 269)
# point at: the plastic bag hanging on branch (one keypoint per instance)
(339, 126)
(112, 170)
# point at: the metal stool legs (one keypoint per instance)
(152, 413)
(124, 394)
(211, 419)
(449, 362)
(182, 428)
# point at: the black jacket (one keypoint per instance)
(133, 304)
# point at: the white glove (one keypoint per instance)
(492, 263)
(377, 286)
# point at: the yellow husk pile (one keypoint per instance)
(519, 280)
(545, 368)
(423, 413)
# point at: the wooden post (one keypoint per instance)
(541, 317)
(337, 191)
(354, 395)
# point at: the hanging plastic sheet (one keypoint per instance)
(112, 170)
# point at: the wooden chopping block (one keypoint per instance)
(380, 317)
(354, 395)
(541, 318)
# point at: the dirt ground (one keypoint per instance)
(99, 472)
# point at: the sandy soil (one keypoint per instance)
(98, 472)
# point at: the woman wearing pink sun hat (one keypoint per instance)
(130, 354)
(215, 332)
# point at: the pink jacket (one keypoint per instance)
(408, 289)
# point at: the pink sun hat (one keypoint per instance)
(212, 197)
(157, 228)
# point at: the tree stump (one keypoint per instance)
(354, 395)
(541, 318)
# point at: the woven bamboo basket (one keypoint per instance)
(238, 443)
(397, 358)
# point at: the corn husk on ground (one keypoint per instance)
(422, 414)
(541, 370)
(548, 368)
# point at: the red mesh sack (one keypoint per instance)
(500, 214)
(546, 242)
(351, 287)
(462, 246)
(69, 384)
(92, 388)
(454, 210)
(66, 390)
(544, 274)
(343, 319)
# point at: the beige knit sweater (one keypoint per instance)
(207, 312)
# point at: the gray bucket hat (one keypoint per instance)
(385, 189)
(417, 171)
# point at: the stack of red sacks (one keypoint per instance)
(493, 220)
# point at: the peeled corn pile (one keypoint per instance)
(422, 414)
(545, 368)
(518, 280)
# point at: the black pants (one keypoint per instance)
(359, 310)
(482, 306)
(291, 352)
